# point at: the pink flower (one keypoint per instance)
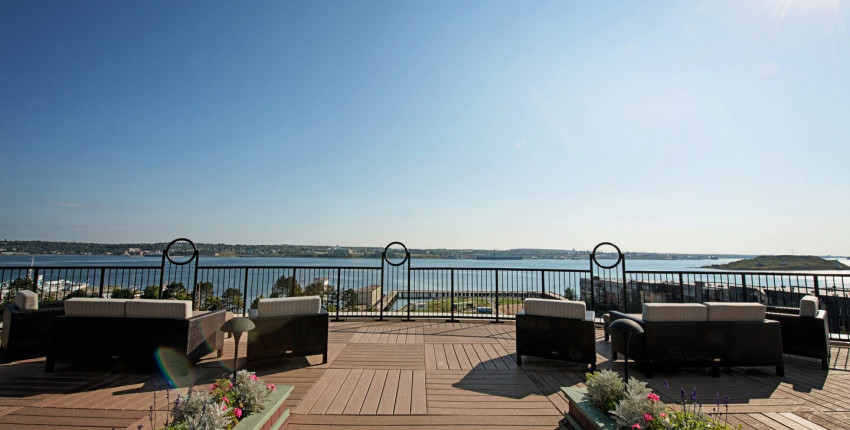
(636, 426)
(652, 396)
(254, 378)
(229, 385)
(237, 412)
(213, 386)
(271, 387)
(647, 417)
(663, 415)
(225, 399)
(224, 407)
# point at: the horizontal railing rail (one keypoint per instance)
(450, 293)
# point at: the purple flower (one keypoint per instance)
(666, 384)
(682, 390)
(694, 395)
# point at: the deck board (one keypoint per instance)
(425, 375)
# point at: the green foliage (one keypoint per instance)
(213, 303)
(122, 293)
(175, 290)
(76, 293)
(205, 288)
(21, 284)
(687, 420)
(569, 294)
(349, 299)
(638, 405)
(286, 287)
(256, 301)
(604, 389)
(232, 298)
(151, 292)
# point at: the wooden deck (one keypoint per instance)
(422, 375)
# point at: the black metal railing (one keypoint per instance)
(449, 293)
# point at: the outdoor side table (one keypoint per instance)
(236, 326)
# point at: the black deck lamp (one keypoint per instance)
(237, 326)
(627, 327)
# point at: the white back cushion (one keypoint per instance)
(160, 309)
(674, 312)
(809, 306)
(289, 306)
(721, 311)
(555, 308)
(94, 307)
(26, 300)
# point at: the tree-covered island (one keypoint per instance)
(782, 262)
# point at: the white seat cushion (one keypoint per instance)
(160, 309)
(93, 307)
(809, 306)
(26, 300)
(674, 312)
(289, 306)
(721, 311)
(555, 308)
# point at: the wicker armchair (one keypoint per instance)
(555, 329)
(136, 340)
(26, 332)
(288, 327)
(805, 331)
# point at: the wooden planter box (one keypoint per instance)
(583, 414)
(273, 417)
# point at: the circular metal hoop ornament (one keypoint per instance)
(406, 254)
(619, 256)
(181, 263)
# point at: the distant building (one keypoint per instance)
(339, 252)
(368, 296)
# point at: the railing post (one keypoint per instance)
(496, 310)
(452, 300)
(542, 284)
(102, 276)
(338, 291)
(35, 280)
(681, 289)
(625, 286)
(244, 294)
(744, 286)
(817, 289)
(381, 293)
(592, 287)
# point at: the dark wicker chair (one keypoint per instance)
(556, 338)
(26, 332)
(135, 340)
(288, 336)
(803, 335)
(701, 344)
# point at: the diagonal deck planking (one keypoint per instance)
(424, 375)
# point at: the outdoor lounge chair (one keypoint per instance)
(288, 327)
(98, 330)
(556, 329)
(26, 326)
(701, 335)
(805, 331)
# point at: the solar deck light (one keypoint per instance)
(236, 326)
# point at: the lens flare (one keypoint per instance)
(174, 367)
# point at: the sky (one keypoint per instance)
(663, 126)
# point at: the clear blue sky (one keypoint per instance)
(667, 126)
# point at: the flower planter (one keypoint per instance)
(274, 416)
(583, 414)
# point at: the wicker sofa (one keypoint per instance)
(702, 335)
(26, 326)
(556, 329)
(99, 330)
(288, 327)
(805, 330)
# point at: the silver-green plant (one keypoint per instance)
(604, 389)
(638, 405)
(250, 391)
(200, 411)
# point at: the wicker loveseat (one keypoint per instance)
(695, 335)
(94, 330)
(26, 326)
(288, 327)
(805, 330)
(556, 329)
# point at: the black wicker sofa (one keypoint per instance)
(26, 326)
(288, 327)
(135, 331)
(701, 335)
